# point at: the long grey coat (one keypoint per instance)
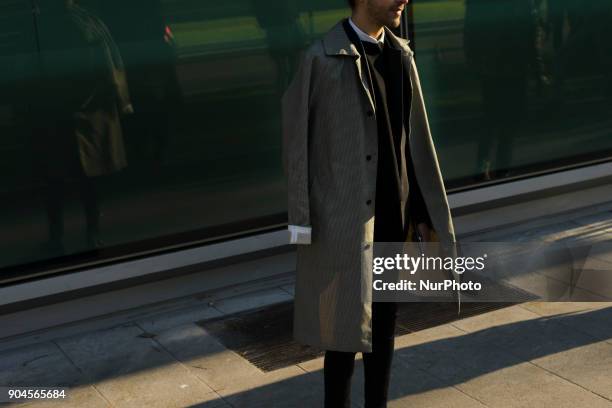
(327, 135)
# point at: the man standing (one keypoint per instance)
(361, 168)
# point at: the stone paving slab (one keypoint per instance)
(479, 358)
(555, 289)
(234, 378)
(252, 300)
(288, 387)
(600, 220)
(525, 385)
(494, 319)
(546, 342)
(596, 324)
(542, 233)
(550, 309)
(39, 365)
(130, 369)
(595, 227)
(490, 375)
(412, 386)
(206, 357)
(587, 234)
(168, 320)
(588, 366)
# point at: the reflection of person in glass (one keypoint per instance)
(586, 47)
(284, 34)
(143, 35)
(354, 178)
(501, 48)
(81, 92)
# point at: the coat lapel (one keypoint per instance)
(336, 42)
(341, 40)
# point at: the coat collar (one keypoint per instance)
(336, 42)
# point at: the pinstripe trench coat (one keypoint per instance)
(327, 134)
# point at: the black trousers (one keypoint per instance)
(339, 365)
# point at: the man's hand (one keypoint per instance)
(424, 231)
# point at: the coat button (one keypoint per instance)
(366, 246)
(369, 202)
(369, 157)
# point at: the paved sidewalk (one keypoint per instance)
(530, 355)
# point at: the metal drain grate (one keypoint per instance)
(264, 337)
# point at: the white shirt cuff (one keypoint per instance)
(299, 234)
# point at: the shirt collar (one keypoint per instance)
(367, 37)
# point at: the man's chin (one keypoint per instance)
(393, 23)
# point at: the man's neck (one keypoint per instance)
(367, 26)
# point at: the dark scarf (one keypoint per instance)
(390, 89)
(385, 65)
(385, 73)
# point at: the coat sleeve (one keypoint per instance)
(417, 207)
(295, 130)
(436, 186)
(445, 232)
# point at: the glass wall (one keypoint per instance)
(129, 126)
(515, 86)
(143, 123)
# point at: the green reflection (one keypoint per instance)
(202, 145)
(515, 86)
(511, 86)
